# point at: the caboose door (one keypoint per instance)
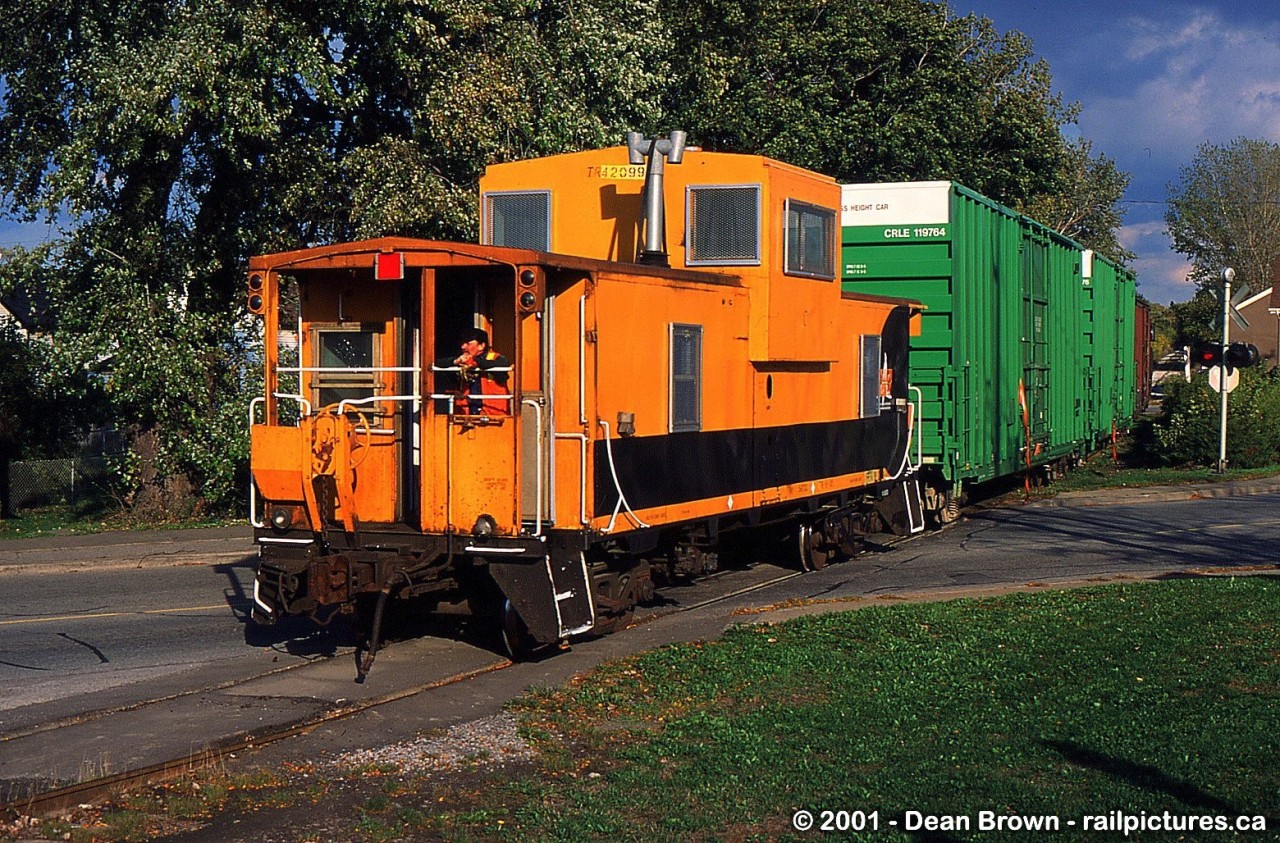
(357, 361)
(469, 472)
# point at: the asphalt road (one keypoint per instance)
(116, 652)
(92, 632)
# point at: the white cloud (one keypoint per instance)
(1153, 36)
(1137, 235)
(1162, 277)
(1162, 272)
(1198, 79)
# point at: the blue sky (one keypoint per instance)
(1155, 79)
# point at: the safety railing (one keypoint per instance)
(452, 397)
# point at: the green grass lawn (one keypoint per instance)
(1142, 698)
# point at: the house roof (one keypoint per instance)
(30, 312)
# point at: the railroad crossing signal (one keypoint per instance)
(1230, 306)
(1240, 355)
(1232, 356)
(1207, 354)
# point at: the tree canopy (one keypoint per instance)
(1225, 211)
(171, 141)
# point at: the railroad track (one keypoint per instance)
(98, 789)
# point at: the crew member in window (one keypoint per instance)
(483, 371)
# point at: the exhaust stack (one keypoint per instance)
(653, 153)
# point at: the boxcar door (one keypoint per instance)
(1035, 340)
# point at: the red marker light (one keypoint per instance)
(388, 266)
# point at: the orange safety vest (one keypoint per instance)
(488, 386)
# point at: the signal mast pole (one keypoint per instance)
(1228, 275)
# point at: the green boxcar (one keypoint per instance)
(1026, 353)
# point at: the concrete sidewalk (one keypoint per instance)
(1149, 494)
(127, 549)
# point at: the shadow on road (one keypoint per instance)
(333, 632)
(297, 636)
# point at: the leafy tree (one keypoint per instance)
(885, 91)
(1199, 318)
(171, 141)
(1226, 212)
(1085, 204)
(1164, 329)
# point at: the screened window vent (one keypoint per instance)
(518, 219)
(810, 240)
(723, 225)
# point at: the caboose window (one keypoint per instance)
(722, 225)
(686, 378)
(521, 219)
(810, 243)
(346, 359)
(869, 383)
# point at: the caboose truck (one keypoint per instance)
(649, 408)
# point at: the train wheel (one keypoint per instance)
(849, 540)
(816, 548)
(802, 548)
(813, 548)
(517, 642)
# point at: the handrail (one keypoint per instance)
(253, 487)
(373, 400)
(499, 369)
(622, 499)
(582, 360)
(303, 403)
(919, 423)
(351, 370)
(582, 462)
(537, 409)
(254, 521)
(306, 405)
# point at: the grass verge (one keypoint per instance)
(1140, 698)
(66, 520)
(1101, 471)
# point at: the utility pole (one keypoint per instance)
(1228, 275)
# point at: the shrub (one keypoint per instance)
(1188, 430)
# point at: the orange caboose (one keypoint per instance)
(645, 408)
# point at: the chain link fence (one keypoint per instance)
(35, 483)
(71, 481)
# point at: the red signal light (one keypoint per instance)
(1207, 354)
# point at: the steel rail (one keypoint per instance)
(61, 798)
